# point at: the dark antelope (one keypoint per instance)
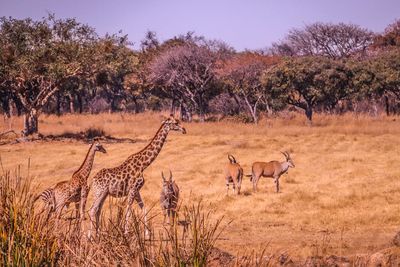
(169, 197)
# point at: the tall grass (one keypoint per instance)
(27, 239)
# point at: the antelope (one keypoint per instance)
(233, 174)
(273, 169)
(169, 197)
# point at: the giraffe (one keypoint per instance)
(127, 179)
(73, 191)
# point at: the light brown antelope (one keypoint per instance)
(273, 169)
(169, 197)
(233, 174)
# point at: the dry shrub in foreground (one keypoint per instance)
(26, 239)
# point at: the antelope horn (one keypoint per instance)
(231, 158)
(285, 154)
(162, 174)
(170, 175)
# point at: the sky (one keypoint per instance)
(251, 24)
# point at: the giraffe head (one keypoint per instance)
(99, 147)
(174, 124)
(168, 185)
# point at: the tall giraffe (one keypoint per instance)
(127, 179)
(75, 190)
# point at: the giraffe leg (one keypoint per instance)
(76, 210)
(131, 198)
(95, 210)
(84, 194)
(169, 216)
(139, 200)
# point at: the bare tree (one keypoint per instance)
(325, 39)
(185, 74)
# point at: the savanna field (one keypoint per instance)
(342, 197)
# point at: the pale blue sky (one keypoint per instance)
(251, 24)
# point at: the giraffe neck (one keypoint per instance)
(145, 157)
(84, 170)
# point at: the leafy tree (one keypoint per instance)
(39, 57)
(310, 81)
(386, 75)
(390, 37)
(242, 75)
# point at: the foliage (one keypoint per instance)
(390, 38)
(60, 65)
(310, 81)
(241, 74)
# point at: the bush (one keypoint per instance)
(25, 237)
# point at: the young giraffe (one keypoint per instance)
(127, 179)
(74, 190)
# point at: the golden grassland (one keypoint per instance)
(341, 198)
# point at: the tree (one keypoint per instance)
(242, 75)
(390, 37)
(324, 39)
(310, 81)
(185, 73)
(386, 75)
(39, 57)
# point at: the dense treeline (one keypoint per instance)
(62, 66)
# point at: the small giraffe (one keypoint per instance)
(127, 179)
(74, 190)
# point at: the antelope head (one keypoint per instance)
(288, 159)
(168, 187)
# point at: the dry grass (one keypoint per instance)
(342, 198)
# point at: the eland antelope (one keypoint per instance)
(233, 174)
(273, 169)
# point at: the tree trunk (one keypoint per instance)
(172, 107)
(186, 114)
(252, 109)
(237, 101)
(58, 104)
(31, 122)
(71, 104)
(387, 106)
(201, 109)
(80, 103)
(309, 113)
